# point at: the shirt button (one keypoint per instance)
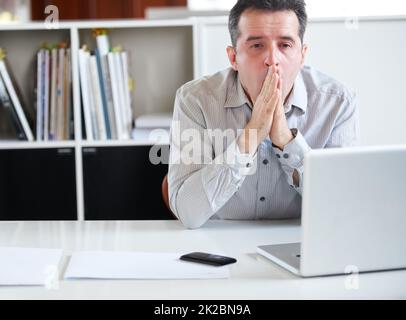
(248, 165)
(278, 156)
(262, 199)
(265, 161)
(286, 155)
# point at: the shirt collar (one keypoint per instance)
(236, 96)
(298, 96)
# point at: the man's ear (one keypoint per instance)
(305, 48)
(232, 57)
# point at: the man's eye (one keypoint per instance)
(257, 46)
(285, 45)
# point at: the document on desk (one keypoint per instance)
(138, 265)
(29, 266)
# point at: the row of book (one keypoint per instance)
(105, 90)
(15, 119)
(50, 116)
(54, 118)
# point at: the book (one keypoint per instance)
(127, 88)
(46, 81)
(103, 48)
(54, 93)
(7, 129)
(106, 99)
(96, 92)
(39, 92)
(85, 92)
(13, 91)
(66, 96)
(102, 40)
(93, 110)
(121, 96)
(52, 116)
(42, 95)
(60, 94)
(71, 122)
(109, 96)
(102, 86)
(10, 125)
(115, 92)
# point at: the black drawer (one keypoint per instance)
(38, 184)
(120, 183)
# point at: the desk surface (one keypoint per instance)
(253, 277)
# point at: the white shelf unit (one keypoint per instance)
(163, 56)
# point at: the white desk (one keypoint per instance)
(253, 277)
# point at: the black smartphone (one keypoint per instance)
(208, 258)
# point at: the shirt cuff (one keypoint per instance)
(291, 158)
(293, 153)
(242, 164)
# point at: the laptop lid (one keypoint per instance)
(353, 210)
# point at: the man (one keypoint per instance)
(278, 109)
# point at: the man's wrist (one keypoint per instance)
(285, 139)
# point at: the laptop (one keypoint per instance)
(353, 213)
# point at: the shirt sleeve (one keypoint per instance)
(199, 183)
(346, 129)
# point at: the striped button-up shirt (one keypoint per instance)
(219, 182)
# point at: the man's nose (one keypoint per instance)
(271, 58)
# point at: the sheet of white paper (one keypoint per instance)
(154, 136)
(138, 265)
(29, 266)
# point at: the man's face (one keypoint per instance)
(267, 38)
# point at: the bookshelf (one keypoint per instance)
(101, 179)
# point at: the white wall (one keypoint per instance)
(369, 56)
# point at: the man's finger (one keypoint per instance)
(280, 82)
(279, 110)
(270, 91)
(273, 86)
(266, 83)
(271, 74)
(275, 100)
(275, 83)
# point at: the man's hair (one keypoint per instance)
(297, 6)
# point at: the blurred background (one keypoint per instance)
(93, 174)
(33, 10)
